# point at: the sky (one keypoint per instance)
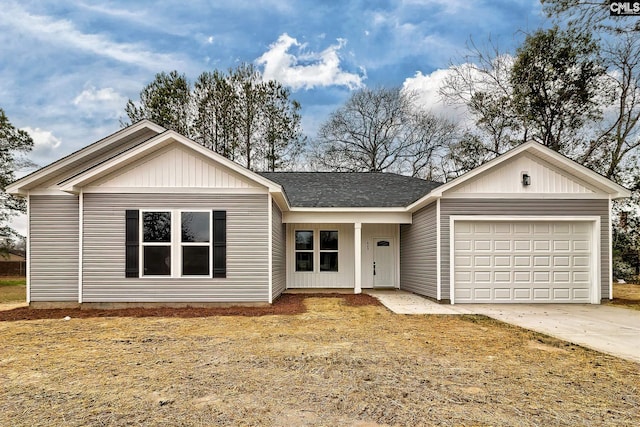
(67, 68)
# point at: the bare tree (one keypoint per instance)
(365, 134)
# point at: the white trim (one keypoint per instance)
(168, 137)
(270, 246)
(17, 187)
(438, 253)
(397, 263)
(47, 192)
(610, 232)
(164, 190)
(347, 209)
(357, 238)
(544, 153)
(80, 242)
(364, 217)
(28, 247)
(544, 196)
(176, 244)
(596, 255)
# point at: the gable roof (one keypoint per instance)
(604, 184)
(83, 178)
(350, 189)
(85, 157)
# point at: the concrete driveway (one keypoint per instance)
(604, 328)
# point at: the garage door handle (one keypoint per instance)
(374, 268)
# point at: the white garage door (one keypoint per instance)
(528, 262)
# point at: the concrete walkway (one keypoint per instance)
(604, 328)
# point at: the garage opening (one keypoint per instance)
(533, 261)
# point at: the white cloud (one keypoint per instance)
(307, 70)
(426, 89)
(43, 140)
(105, 102)
(97, 95)
(63, 32)
(210, 40)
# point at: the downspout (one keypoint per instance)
(28, 248)
(80, 242)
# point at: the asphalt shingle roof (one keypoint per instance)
(350, 189)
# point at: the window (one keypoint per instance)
(326, 249)
(196, 243)
(304, 250)
(175, 243)
(156, 243)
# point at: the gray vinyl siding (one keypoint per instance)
(53, 240)
(247, 250)
(279, 253)
(418, 260)
(527, 207)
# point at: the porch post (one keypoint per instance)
(357, 236)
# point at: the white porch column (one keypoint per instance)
(357, 236)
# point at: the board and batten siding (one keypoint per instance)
(343, 278)
(278, 252)
(525, 207)
(104, 250)
(418, 258)
(53, 240)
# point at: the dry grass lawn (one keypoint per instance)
(626, 295)
(334, 364)
(12, 289)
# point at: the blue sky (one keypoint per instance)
(67, 68)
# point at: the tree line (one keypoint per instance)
(236, 114)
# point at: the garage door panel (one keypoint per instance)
(502, 277)
(482, 277)
(541, 294)
(502, 245)
(541, 245)
(581, 246)
(482, 245)
(541, 261)
(561, 245)
(561, 293)
(502, 261)
(482, 294)
(482, 261)
(580, 261)
(541, 277)
(522, 261)
(523, 294)
(502, 294)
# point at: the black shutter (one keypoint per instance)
(132, 243)
(219, 244)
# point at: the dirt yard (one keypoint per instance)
(330, 364)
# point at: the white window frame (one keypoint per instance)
(321, 251)
(311, 251)
(316, 251)
(175, 244)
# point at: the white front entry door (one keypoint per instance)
(384, 263)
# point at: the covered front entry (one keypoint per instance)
(336, 255)
(525, 261)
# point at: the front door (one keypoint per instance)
(383, 263)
